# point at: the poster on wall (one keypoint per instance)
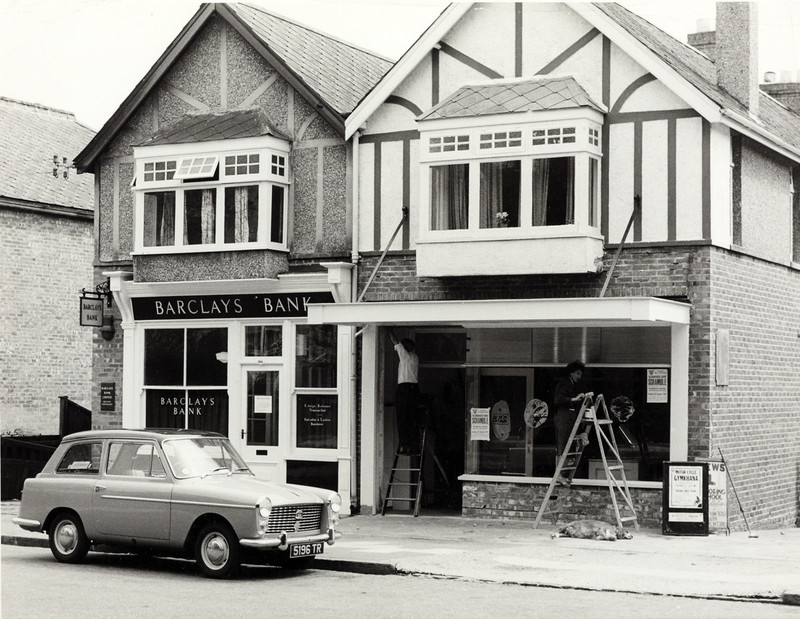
(317, 420)
(479, 424)
(657, 386)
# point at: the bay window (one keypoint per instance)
(212, 201)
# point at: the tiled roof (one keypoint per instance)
(510, 96)
(215, 126)
(701, 72)
(339, 72)
(30, 134)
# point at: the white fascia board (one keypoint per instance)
(752, 130)
(403, 67)
(510, 119)
(211, 147)
(649, 60)
(610, 311)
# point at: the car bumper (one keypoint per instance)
(282, 542)
(27, 524)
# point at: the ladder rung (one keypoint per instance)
(399, 498)
(616, 467)
(604, 422)
(628, 519)
(402, 469)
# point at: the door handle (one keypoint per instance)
(99, 488)
(243, 433)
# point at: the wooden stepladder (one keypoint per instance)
(593, 414)
(410, 477)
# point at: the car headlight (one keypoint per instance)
(335, 502)
(264, 507)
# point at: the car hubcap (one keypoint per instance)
(215, 550)
(66, 537)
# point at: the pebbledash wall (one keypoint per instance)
(46, 354)
(753, 418)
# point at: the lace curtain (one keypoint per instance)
(449, 197)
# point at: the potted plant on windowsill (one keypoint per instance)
(501, 219)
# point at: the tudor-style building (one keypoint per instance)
(503, 161)
(222, 190)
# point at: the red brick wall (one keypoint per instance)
(45, 352)
(755, 419)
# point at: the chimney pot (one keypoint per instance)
(769, 77)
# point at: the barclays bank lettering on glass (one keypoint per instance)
(294, 305)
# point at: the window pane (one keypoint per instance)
(241, 214)
(553, 191)
(316, 356)
(159, 219)
(208, 410)
(276, 221)
(262, 408)
(202, 365)
(82, 459)
(317, 420)
(261, 341)
(199, 217)
(164, 408)
(500, 194)
(163, 357)
(450, 197)
(593, 177)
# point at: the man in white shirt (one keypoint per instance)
(407, 395)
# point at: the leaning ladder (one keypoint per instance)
(592, 415)
(412, 477)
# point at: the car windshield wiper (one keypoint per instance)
(216, 470)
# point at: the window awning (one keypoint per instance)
(607, 311)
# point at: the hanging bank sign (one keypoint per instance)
(286, 305)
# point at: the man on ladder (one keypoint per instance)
(567, 401)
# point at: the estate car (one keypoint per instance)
(173, 493)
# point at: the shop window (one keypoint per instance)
(185, 378)
(211, 202)
(315, 356)
(317, 420)
(81, 459)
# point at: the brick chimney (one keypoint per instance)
(786, 89)
(736, 52)
(705, 39)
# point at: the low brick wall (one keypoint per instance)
(521, 501)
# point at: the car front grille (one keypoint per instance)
(289, 518)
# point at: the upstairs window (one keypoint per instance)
(211, 201)
(537, 176)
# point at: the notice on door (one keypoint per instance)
(657, 386)
(479, 424)
(262, 404)
(317, 421)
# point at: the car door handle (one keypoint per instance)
(99, 488)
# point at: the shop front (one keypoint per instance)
(484, 364)
(238, 357)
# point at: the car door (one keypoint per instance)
(132, 500)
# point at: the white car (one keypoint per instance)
(173, 493)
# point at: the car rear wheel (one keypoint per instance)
(217, 551)
(68, 541)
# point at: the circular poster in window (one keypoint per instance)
(535, 413)
(501, 420)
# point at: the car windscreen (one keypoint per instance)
(197, 457)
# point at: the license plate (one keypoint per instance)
(305, 550)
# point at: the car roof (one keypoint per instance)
(140, 433)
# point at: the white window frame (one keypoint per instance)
(585, 124)
(214, 154)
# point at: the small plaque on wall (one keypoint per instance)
(108, 397)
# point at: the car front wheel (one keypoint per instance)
(68, 541)
(217, 551)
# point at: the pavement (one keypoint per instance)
(760, 567)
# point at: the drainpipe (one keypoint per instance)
(354, 258)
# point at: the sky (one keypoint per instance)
(86, 56)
